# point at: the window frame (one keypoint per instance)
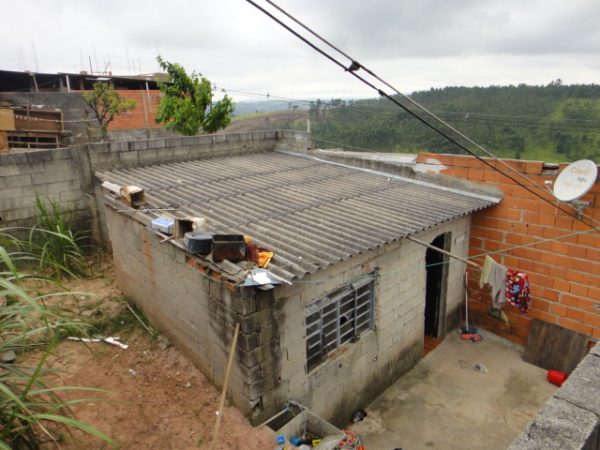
(326, 319)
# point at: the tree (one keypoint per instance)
(187, 104)
(106, 104)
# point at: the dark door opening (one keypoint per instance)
(435, 289)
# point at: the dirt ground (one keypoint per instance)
(266, 121)
(155, 399)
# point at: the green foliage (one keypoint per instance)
(31, 410)
(106, 104)
(53, 243)
(187, 105)
(553, 123)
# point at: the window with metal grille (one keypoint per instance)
(337, 318)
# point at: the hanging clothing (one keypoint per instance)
(494, 274)
(517, 290)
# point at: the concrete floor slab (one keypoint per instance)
(445, 403)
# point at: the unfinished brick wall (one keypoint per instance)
(564, 274)
(144, 113)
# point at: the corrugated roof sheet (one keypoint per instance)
(311, 213)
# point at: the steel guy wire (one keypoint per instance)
(355, 66)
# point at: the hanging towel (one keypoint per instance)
(494, 274)
(517, 290)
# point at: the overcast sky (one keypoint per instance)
(414, 44)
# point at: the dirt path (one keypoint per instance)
(156, 398)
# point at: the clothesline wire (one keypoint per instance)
(450, 261)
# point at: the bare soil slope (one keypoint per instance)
(156, 398)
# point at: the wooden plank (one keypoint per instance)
(3, 141)
(7, 119)
(553, 347)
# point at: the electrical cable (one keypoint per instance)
(355, 65)
(465, 117)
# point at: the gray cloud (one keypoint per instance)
(417, 44)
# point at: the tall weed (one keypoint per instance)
(52, 240)
(31, 411)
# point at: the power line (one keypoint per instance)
(465, 117)
(355, 66)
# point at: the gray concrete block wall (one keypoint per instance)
(355, 374)
(66, 174)
(197, 311)
(53, 174)
(570, 420)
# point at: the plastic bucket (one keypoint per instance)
(557, 377)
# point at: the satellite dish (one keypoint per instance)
(575, 180)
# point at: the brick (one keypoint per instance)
(551, 295)
(594, 293)
(531, 217)
(559, 310)
(575, 314)
(578, 289)
(593, 254)
(574, 325)
(548, 258)
(589, 305)
(565, 223)
(577, 251)
(542, 315)
(547, 220)
(475, 174)
(592, 319)
(589, 240)
(569, 300)
(560, 247)
(540, 304)
(558, 272)
(579, 277)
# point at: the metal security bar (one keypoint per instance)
(337, 318)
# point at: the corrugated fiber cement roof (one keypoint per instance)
(311, 213)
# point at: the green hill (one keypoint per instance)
(553, 123)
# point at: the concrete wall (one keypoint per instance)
(196, 309)
(357, 372)
(80, 120)
(570, 420)
(66, 174)
(564, 274)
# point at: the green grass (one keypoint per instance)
(52, 240)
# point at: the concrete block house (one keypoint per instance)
(352, 296)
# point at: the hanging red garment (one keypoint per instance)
(517, 289)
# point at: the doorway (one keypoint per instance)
(435, 290)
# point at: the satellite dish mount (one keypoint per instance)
(574, 182)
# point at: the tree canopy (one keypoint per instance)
(187, 105)
(556, 122)
(106, 104)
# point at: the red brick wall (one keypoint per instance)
(144, 113)
(564, 274)
(142, 116)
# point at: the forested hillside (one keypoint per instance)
(552, 123)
